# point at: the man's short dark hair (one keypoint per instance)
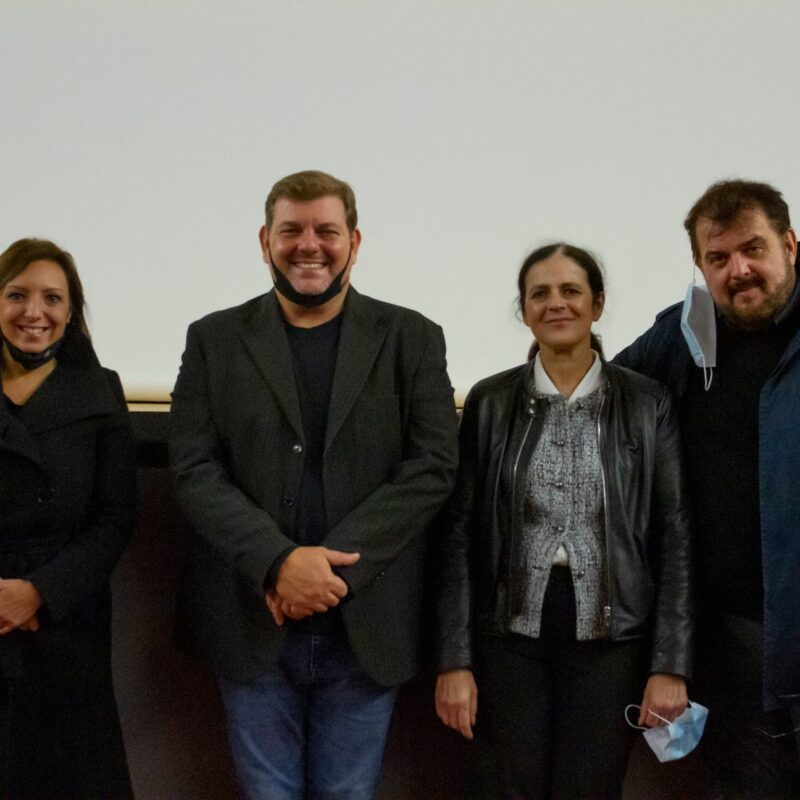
(311, 184)
(723, 201)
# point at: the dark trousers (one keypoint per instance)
(752, 753)
(551, 710)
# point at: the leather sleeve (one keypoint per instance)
(673, 624)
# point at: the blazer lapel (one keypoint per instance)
(264, 336)
(363, 332)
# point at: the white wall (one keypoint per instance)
(143, 135)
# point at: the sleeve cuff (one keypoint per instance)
(272, 573)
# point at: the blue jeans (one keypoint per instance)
(312, 728)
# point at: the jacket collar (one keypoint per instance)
(794, 300)
(362, 335)
(364, 329)
(791, 316)
(264, 334)
(70, 393)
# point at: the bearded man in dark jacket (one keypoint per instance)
(731, 356)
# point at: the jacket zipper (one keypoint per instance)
(607, 608)
(531, 412)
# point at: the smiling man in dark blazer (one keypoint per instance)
(313, 440)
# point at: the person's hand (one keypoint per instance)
(457, 700)
(19, 602)
(664, 695)
(307, 584)
(294, 611)
(274, 606)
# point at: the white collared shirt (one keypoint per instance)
(590, 381)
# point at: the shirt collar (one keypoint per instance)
(590, 381)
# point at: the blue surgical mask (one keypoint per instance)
(675, 739)
(699, 328)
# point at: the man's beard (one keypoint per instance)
(761, 316)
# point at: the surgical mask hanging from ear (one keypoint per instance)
(675, 739)
(699, 328)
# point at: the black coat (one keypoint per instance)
(237, 450)
(67, 506)
(647, 528)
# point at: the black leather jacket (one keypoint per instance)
(646, 516)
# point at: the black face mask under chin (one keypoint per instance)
(284, 286)
(32, 360)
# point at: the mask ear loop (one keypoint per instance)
(708, 372)
(776, 735)
(708, 376)
(639, 708)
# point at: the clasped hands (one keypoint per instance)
(19, 602)
(307, 584)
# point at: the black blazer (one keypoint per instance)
(236, 452)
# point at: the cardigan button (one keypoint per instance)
(297, 448)
(45, 495)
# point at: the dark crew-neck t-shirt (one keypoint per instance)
(314, 360)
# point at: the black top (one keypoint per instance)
(720, 428)
(314, 361)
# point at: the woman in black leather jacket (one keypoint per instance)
(564, 586)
